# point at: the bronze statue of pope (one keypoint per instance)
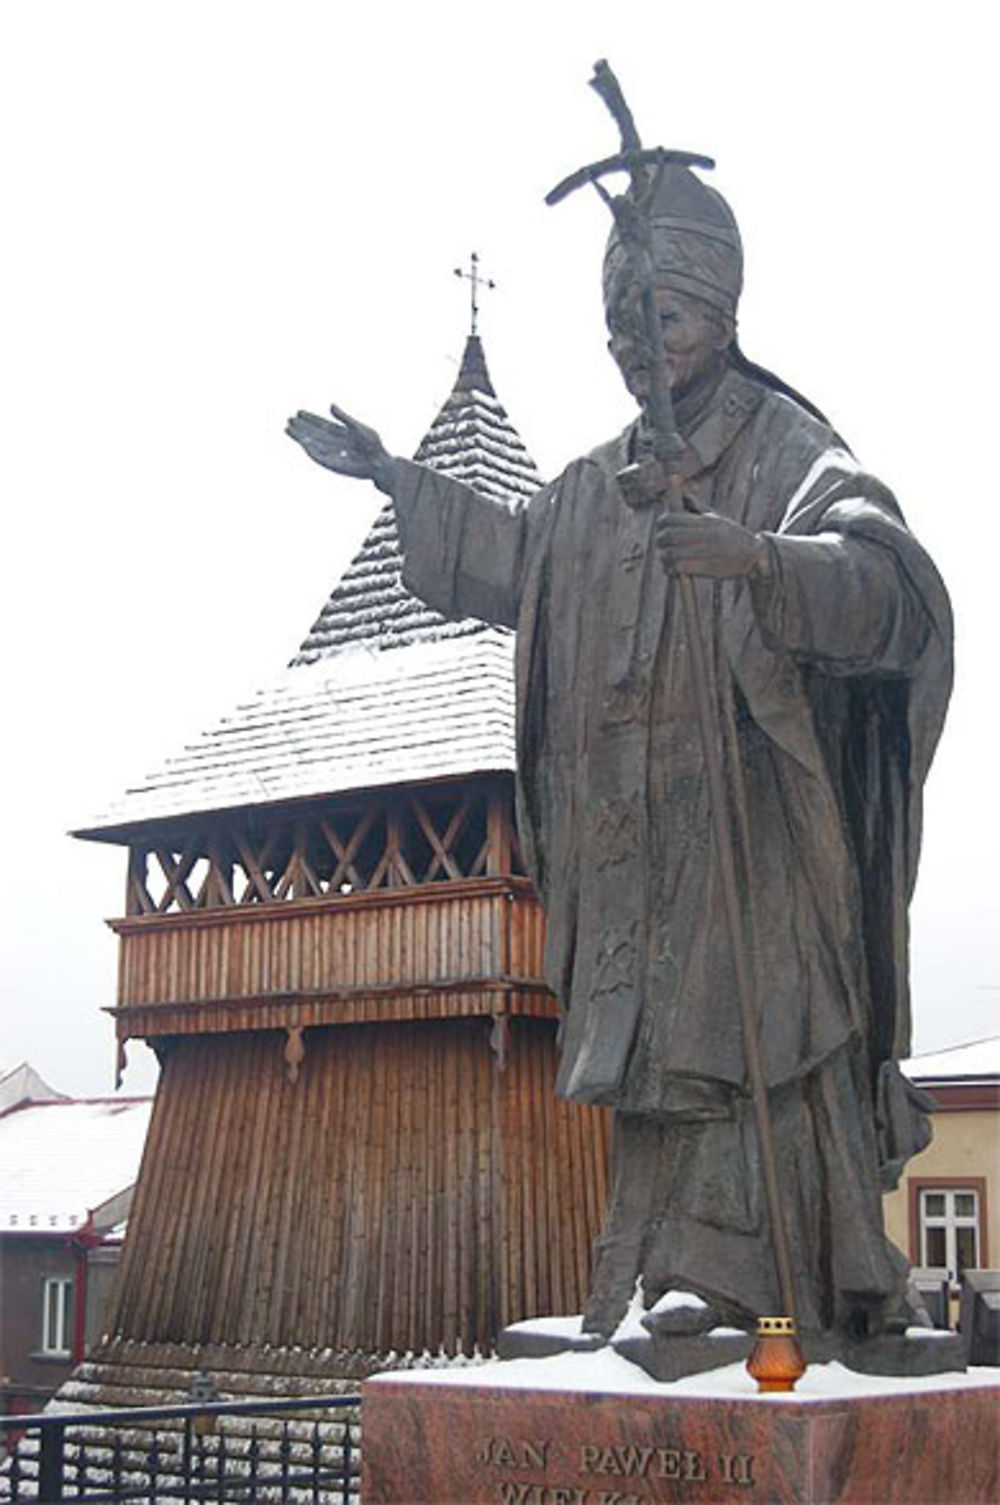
(827, 636)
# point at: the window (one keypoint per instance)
(949, 1228)
(57, 1317)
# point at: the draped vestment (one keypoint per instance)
(829, 677)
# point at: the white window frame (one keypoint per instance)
(950, 1221)
(57, 1295)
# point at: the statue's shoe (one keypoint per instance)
(540, 1337)
(680, 1314)
(918, 1350)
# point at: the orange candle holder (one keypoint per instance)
(776, 1361)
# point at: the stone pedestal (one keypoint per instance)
(478, 1438)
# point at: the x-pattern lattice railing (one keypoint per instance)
(401, 841)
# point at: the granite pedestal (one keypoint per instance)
(487, 1437)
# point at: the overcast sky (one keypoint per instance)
(216, 213)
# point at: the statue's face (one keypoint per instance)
(693, 335)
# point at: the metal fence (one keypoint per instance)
(298, 1450)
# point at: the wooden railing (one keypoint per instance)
(401, 839)
(471, 946)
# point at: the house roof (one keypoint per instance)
(61, 1160)
(23, 1085)
(383, 690)
(976, 1061)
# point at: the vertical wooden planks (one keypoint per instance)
(407, 938)
(484, 1319)
(404, 1193)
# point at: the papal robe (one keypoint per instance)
(829, 672)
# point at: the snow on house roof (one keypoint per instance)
(22, 1085)
(347, 713)
(354, 720)
(977, 1061)
(60, 1160)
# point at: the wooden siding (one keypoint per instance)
(413, 1189)
(473, 946)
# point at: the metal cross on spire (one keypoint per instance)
(476, 281)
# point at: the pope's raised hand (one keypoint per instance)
(348, 447)
(703, 543)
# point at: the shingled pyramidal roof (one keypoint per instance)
(383, 690)
(471, 439)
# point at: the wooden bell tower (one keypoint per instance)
(333, 948)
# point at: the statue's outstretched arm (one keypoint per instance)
(463, 552)
(348, 447)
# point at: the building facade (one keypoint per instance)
(331, 944)
(945, 1213)
(67, 1168)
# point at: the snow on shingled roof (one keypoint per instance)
(358, 719)
(345, 715)
(471, 439)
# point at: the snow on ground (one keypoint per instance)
(605, 1372)
(676, 1301)
(560, 1327)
